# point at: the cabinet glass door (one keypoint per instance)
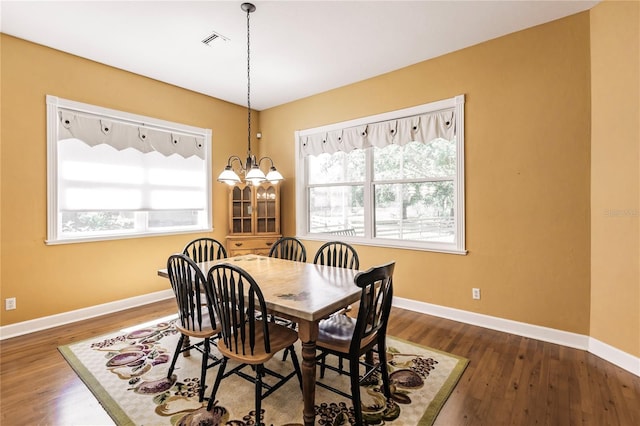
(266, 205)
(241, 210)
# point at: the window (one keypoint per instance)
(113, 174)
(394, 179)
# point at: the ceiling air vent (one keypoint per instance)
(214, 37)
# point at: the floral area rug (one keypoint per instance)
(127, 370)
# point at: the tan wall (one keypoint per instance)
(48, 280)
(528, 177)
(615, 175)
(527, 172)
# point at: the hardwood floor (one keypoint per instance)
(510, 380)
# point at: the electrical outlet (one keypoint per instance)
(10, 303)
(475, 293)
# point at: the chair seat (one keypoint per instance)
(336, 332)
(337, 327)
(199, 332)
(280, 337)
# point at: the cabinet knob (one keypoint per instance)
(269, 243)
(238, 244)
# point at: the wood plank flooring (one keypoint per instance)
(510, 380)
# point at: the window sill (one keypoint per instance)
(386, 243)
(95, 238)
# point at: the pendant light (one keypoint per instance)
(251, 167)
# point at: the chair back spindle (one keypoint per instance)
(289, 248)
(337, 253)
(186, 281)
(205, 249)
(375, 303)
(240, 307)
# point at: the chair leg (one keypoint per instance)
(286, 351)
(382, 356)
(369, 365)
(203, 368)
(354, 369)
(323, 366)
(296, 364)
(175, 356)
(212, 398)
(259, 374)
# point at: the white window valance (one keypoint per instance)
(120, 134)
(422, 128)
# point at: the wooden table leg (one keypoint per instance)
(308, 333)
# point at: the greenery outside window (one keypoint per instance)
(113, 174)
(395, 179)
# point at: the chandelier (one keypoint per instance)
(251, 167)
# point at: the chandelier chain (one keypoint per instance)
(248, 84)
(251, 169)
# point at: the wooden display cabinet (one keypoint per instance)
(254, 218)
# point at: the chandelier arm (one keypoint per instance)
(265, 158)
(234, 157)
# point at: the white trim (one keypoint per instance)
(93, 239)
(615, 356)
(301, 194)
(52, 169)
(545, 334)
(126, 117)
(461, 247)
(383, 242)
(43, 323)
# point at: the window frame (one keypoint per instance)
(54, 104)
(302, 185)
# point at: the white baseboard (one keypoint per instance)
(565, 338)
(615, 356)
(25, 327)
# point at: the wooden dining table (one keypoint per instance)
(303, 292)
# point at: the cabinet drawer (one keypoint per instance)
(262, 252)
(234, 252)
(239, 252)
(254, 243)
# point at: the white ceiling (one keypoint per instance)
(298, 48)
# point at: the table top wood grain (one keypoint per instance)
(296, 289)
(303, 292)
